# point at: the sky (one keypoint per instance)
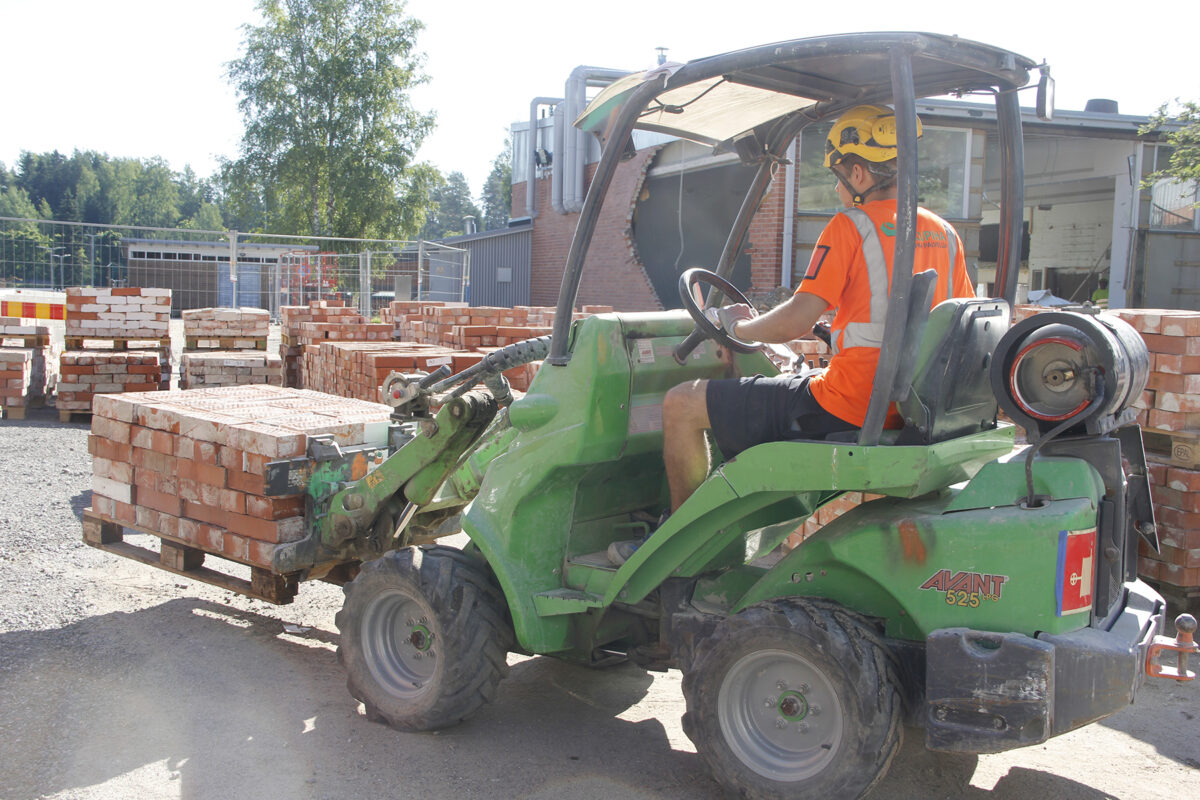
(146, 78)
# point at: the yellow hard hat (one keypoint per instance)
(866, 131)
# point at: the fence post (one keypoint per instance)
(364, 283)
(233, 276)
(420, 264)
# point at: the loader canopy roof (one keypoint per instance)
(714, 100)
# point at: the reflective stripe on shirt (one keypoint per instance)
(870, 334)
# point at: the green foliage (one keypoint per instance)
(91, 187)
(449, 206)
(1183, 136)
(497, 191)
(330, 132)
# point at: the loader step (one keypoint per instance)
(181, 558)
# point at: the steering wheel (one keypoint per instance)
(689, 282)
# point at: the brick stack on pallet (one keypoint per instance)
(359, 369)
(291, 349)
(1169, 411)
(28, 366)
(188, 467)
(117, 340)
(227, 347)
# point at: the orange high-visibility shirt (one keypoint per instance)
(838, 273)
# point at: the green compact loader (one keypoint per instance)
(988, 595)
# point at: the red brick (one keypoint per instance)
(1184, 577)
(159, 501)
(1183, 479)
(205, 513)
(274, 508)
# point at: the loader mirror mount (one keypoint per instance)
(1045, 94)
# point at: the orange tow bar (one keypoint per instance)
(1182, 645)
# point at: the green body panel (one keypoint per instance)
(585, 452)
(588, 452)
(970, 558)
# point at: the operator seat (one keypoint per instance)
(950, 394)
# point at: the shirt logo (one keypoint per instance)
(814, 264)
(889, 229)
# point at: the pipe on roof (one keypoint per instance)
(531, 170)
(576, 143)
(561, 123)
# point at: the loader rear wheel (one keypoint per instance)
(424, 637)
(793, 699)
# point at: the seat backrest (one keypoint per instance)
(950, 394)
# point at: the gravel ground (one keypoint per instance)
(118, 680)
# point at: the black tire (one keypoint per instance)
(794, 699)
(424, 637)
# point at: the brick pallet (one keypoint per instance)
(85, 374)
(358, 369)
(291, 349)
(229, 368)
(227, 347)
(226, 328)
(28, 366)
(188, 467)
(107, 331)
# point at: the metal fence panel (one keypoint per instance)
(269, 270)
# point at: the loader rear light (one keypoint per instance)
(1076, 571)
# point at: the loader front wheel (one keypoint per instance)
(793, 699)
(424, 637)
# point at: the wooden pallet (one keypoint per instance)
(109, 343)
(25, 340)
(74, 415)
(1179, 598)
(203, 343)
(187, 560)
(1181, 448)
(13, 412)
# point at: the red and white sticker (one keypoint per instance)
(1076, 571)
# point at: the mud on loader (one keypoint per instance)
(989, 597)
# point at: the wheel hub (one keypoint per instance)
(780, 715)
(421, 638)
(793, 706)
(399, 644)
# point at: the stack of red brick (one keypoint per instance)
(359, 369)
(101, 323)
(28, 366)
(1169, 411)
(189, 465)
(227, 347)
(291, 349)
(1176, 494)
(118, 313)
(226, 328)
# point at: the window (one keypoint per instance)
(1172, 202)
(942, 172)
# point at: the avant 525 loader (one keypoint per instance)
(989, 597)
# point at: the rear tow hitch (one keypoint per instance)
(1182, 645)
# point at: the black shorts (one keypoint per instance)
(744, 412)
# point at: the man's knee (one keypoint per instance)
(687, 404)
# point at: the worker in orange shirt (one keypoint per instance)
(849, 271)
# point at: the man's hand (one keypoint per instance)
(729, 316)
